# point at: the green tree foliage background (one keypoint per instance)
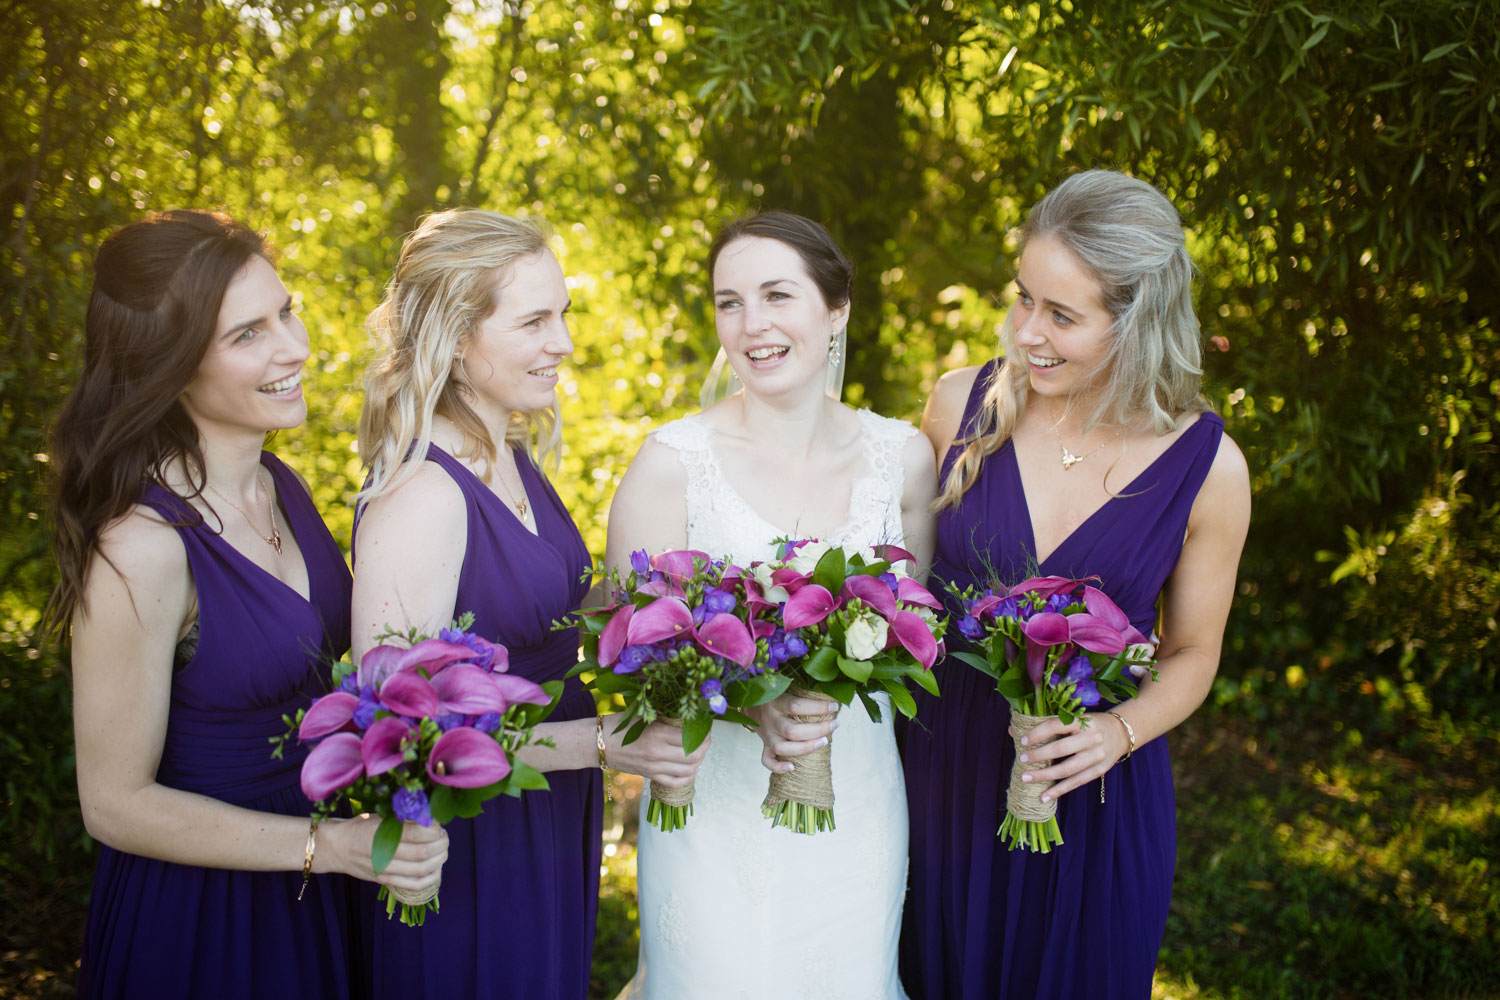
(1334, 162)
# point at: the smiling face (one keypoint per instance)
(1061, 326)
(250, 379)
(510, 362)
(772, 320)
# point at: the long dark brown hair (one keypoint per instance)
(158, 286)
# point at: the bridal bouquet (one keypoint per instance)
(423, 730)
(1055, 647)
(674, 643)
(840, 623)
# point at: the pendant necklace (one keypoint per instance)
(274, 538)
(520, 505)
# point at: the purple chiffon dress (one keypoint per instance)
(1085, 920)
(159, 929)
(521, 885)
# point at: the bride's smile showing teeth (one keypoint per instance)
(765, 353)
(283, 385)
(544, 372)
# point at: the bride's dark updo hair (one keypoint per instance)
(825, 262)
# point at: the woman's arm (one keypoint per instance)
(649, 510)
(918, 524)
(1195, 609)
(944, 414)
(122, 679)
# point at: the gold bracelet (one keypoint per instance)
(603, 763)
(312, 845)
(1130, 734)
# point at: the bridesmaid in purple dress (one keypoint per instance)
(1086, 451)
(205, 595)
(460, 412)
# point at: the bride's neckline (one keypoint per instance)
(870, 472)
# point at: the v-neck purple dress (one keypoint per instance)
(521, 884)
(1085, 920)
(160, 929)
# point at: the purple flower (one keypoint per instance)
(640, 562)
(1057, 602)
(1087, 693)
(364, 712)
(889, 579)
(350, 683)
(1080, 668)
(718, 601)
(411, 807)
(488, 722)
(633, 658)
(796, 646)
(969, 627)
(714, 692)
(449, 720)
(484, 650)
(1008, 608)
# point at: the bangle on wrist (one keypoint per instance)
(1129, 734)
(312, 846)
(603, 761)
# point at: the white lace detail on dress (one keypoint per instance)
(802, 916)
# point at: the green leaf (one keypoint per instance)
(1440, 51)
(442, 805)
(856, 670)
(840, 691)
(822, 665)
(926, 680)
(872, 707)
(1316, 37)
(735, 718)
(757, 690)
(829, 573)
(1207, 81)
(695, 731)
(383, 847)
(527, 778)
(980, 663)
(901, 699)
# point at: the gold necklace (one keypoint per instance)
(274, 538)
(520, 505)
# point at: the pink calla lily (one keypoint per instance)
(984, 604)
(809, 606)
(1043, 630)
(612, 639)
(893, 553)
(790, 579)
(662, 588)
(1045, 586)
(1094, 634)
(467, 758)
(333, 764)
(678, 564)
(755, 597)
(663, 618)
(516, 690)
(909, 591)
(328, 714)
(468, 690)
(873, 592)
(915, 636)
(432, 655)
(725, 635)
(762, 629)
(1100, 606)
(381, 749)
(409, 694)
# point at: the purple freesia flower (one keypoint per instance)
(714, 692)
(364, 712)
(718, 602)
(449, 720)
(640, 562)
(633, 658)
(1080, 668)
(412, 807)
(350, 683)
(488, 722)
(969, 627)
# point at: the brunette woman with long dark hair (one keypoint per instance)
(205, 596)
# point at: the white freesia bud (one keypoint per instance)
(805, 559)
(774, 594)
(865, 636)
(1141, 652)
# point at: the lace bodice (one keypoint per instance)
(722, 523)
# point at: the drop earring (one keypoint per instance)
(833, 349)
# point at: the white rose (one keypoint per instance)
(865, 636)
(805, 559)
(774, 594)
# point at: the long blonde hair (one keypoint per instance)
(452, 271)
(1129, 237)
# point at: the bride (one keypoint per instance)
(729, 906)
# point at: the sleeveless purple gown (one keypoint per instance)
(521, 884)
(1087, 919)
(161, 929)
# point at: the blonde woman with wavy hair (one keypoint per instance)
(1085, 450)
(457, 517)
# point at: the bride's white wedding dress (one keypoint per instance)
(730, 907)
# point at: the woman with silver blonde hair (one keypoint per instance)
(1085, 451)
(457, 517)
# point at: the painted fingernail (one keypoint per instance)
(1025, 777)
(1026, 758)
(832, 707)
(787, 768)
(1046, 798)
(1026, 741)
(822, 741)
(835, 725)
